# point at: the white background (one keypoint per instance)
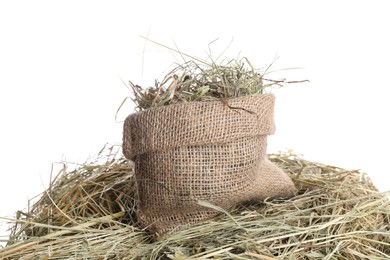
(61, 63)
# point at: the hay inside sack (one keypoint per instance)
(198, 80)
(88, 214)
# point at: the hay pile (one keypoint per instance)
(88, 214)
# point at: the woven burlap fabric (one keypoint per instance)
(208, 151)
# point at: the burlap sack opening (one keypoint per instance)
(207, 151)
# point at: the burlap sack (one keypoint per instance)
(207, 151)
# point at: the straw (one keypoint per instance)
(88, 214)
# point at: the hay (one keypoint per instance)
(88, 214)
(202, 80)
(192, 81)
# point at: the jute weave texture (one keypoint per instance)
(202, 151)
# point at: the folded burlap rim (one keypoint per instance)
(198, 123)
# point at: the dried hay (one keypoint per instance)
(203, 80)
(88, 214)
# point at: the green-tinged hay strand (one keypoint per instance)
(88, 214)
